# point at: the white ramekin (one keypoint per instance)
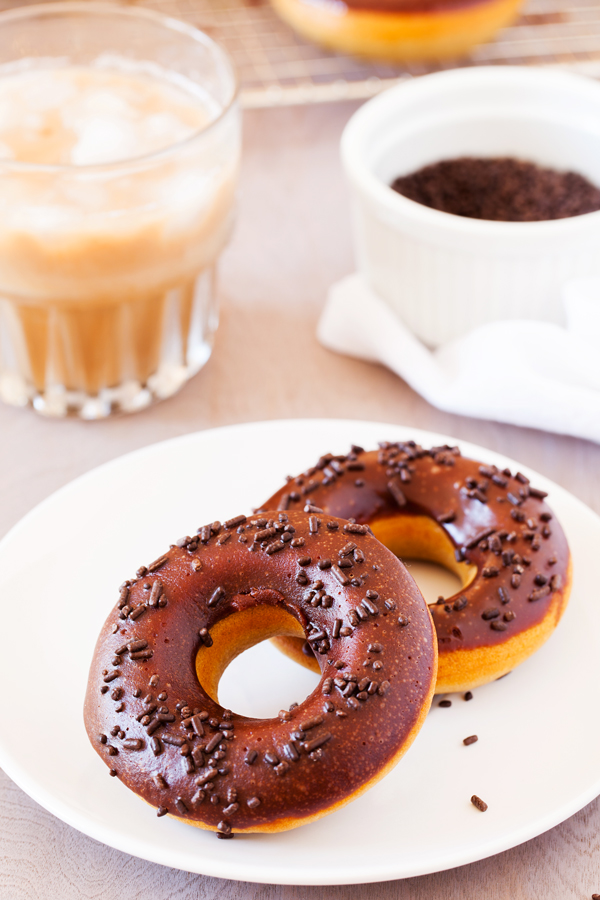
(445, 274)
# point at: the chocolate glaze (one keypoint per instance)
(437, 484)
(398, 6)
(200, 584)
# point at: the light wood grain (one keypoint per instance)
(292, 241)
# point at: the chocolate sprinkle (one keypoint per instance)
(309, 746)
(214, 742)
(474, 541)
(311, 723)
(233, 523)
(539, 495)
(347, 549)
(206, 776)
(397, 493)
(174, 740)
(134, 646)
(275, 547)
(158, 563)
(353, 528)
(216, 595)
(370, 606)
(340, 575)
(136, 613)
(534, 595)
(492, 613)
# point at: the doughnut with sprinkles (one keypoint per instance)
(490, 526)
(152, 710)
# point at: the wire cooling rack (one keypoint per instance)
(278, 68)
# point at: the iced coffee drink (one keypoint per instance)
(117, 177)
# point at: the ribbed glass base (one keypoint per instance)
(95, 359)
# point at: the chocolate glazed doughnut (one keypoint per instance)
(492, 528)
(152, 711)
(398, 30)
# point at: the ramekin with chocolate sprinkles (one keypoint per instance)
(444, 273)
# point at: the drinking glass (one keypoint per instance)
(107, 258)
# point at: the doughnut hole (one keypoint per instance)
(434, 580)
(419, 537)
(232, 637)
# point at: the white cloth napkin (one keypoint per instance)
(529, 373)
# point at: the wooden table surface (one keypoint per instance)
(292, 241)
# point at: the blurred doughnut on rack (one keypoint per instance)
(278, 68)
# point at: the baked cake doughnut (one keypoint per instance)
(398, 30)
(152, 710)
(492, 528)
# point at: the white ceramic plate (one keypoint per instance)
(535, 764)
